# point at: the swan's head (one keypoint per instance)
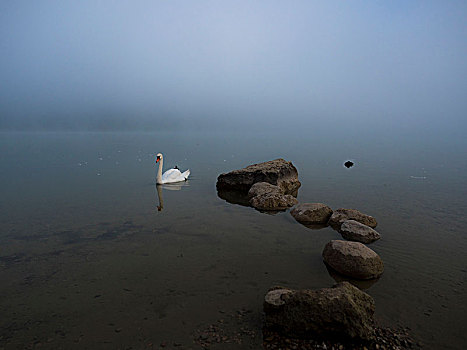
(158, 157)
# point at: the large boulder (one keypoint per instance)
(276, 172)
(273, 201)
(311, 213)
(341, 215)
(355, 231)
(342, 311)
(353, 259)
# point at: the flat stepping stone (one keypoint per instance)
(311, 213)
(340, 215)
(355, 231)
(261, 188)
(273, 201)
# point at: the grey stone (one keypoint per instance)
(340, 215)
(311, 213)
(355, 231)
(261, 188)
(276, 172)
(342, 311)
(353, 259)
(273, 201)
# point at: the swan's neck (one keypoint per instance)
(159, 173)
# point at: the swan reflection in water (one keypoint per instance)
(171, 187)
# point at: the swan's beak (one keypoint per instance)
(158, 159)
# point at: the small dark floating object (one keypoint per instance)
(349, 164)
(176, 167)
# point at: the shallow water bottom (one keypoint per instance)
(88, 261)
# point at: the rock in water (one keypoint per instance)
(311, 213)
(261, 188)
(264, 196)
(353, 259)
(276, 172)
(342, 311)
(354, 231)
(341, 215)
(273, 201)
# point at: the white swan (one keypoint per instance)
(171, 175)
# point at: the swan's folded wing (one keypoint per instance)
(172, 175)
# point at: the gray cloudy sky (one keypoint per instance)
(166, 63)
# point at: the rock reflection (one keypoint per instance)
(360, 284)
(315, 226)
(234, 197)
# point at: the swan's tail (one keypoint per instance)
(186, 174)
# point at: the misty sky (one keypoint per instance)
(169, 62)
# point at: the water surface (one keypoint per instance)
(87, 260)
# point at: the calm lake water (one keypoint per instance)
(88, 261)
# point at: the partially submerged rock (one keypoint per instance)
(276, 172)
(273, 201)
(342, 311)
(341, 215)
(311, 213)
(353, 259)
(261, 188)
(355, 231)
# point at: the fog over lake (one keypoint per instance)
(155, 64)
(94, 255)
